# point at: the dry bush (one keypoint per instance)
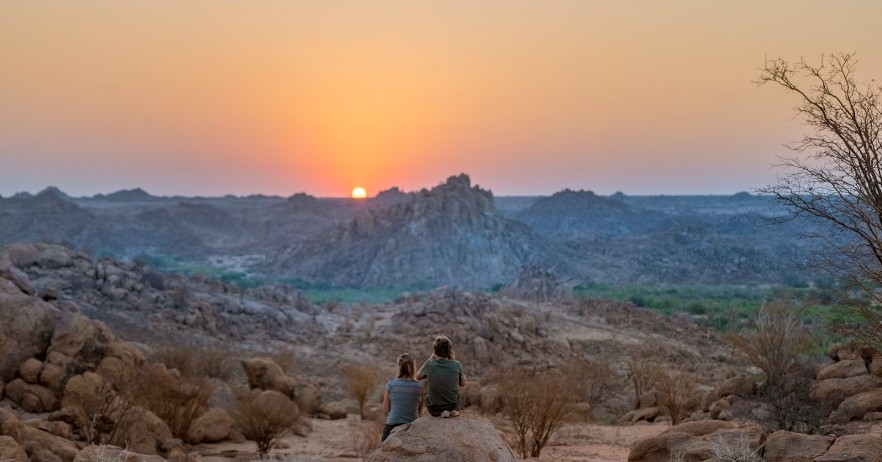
(643, 371)
(194, 360)
(176, 400)
(96, 410)
(676, 389)
(597, 381)
(363, 380)
(738, 452)
(790, 403)
(265, 416)
(777, 340)
(536, 404)
(286, 358)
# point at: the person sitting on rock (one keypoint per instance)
(444, 377)
(403, 398)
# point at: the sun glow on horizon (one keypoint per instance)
(359, 193)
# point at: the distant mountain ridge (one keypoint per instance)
(454, 234)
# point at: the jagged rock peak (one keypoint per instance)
(52, 191)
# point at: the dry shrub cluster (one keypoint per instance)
(363, 380)
(677, 392)
(536, 404)
(99, 404)
(265, 416)
(598, 382)
(774, 345)
(643, 371)
(196, 360)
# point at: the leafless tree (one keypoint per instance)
(363, 380)
(835, 174)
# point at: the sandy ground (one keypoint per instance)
(347, 440)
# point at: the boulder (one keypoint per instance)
(82, 339)
(212, 426)
(32, 398)
(22, 255)
(309, 400)
(855, 407)
(19, 278)
(854, 448)
(784, 446)
(54, 257)
(832, 392)
(46, 446)
(849, 350)
(265, 374)
(694, 441)
(30, 370)
(10, 450)
(143, 431)
(467, 438)
(26, 326)
(742, 386)
(843, 369)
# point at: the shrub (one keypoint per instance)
(536, 404)
(362, 379)
(175, 400)
(676, 389)
(738, 452)
(596, 381)
(195, 360)
(643, 371)
(264, 416)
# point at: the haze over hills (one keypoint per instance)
(453, 234)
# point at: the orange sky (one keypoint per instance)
(213, 97)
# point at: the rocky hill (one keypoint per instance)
(576, 213)
(449, 235)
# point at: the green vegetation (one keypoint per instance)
(724, 307)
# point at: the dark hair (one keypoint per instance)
(406, 366)
(442, 346)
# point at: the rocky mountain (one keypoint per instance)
(449, 235)
(453, 234)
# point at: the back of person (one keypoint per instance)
(405, 396)
(443, 383)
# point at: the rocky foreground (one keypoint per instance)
(75, 328)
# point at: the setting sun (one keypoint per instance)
(359, 193)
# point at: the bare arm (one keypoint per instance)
(419, 374)
(387, 403)
(422, 404)
(462, 379)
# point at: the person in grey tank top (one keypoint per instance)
(403, 398)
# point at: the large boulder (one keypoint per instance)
(143, 431)
(22, 255)
(81, 338)
(54, 257)
(854, 448)
(43, 445)
(854, 407)
(19, 278)
(466, 438)
(265, 374)
(843, 369)
(10, 450)
(212, 426)
(784, 446)
(694, 441)
(26, 326)
(32, 398)
(742, 386)
(832, 392)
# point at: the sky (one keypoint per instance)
(219, 97)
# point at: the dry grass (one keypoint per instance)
(598, 382)
(363, 380)
(177, 400)
(365, 436)
(737, 452)
(676, 389)
(197, 360)
(643, 371)
(264, 417)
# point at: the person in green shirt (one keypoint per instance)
(444, 377)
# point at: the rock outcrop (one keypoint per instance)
(462, 439)
(449, 235)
